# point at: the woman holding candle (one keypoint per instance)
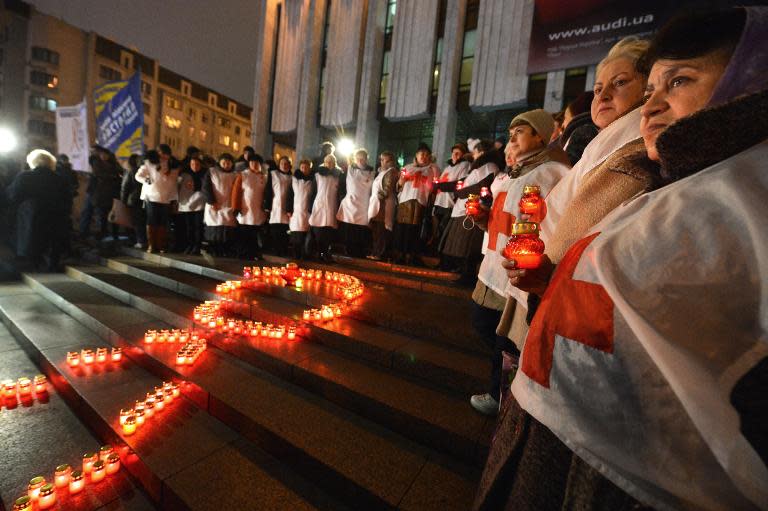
(381, 209)
(664, 372)
(219, 214)
(248, 203)
(414, 189)
(529, 160)
(463, 239)
(325, 206)
(456, 170)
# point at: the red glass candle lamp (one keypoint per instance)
(175, 390)
(105, 450)
(76, 482)
(87, 356)
(89, 459)
(73, 358)
(459, 185)
(62, 476)
(117, 354)
(149, 407)
(113, 464)
(99, 468)
(9, 388)
(124, 413)
(47, 498)
(101, 355)
(25, 386)
(524, 246)
(472, 205)
(181, 357)
(139, 415)
(34, 486)
(40, 384)
(150, 336)
(531, 203)
(129, 428)
(291, 333)
(23, 504)
(247, 272)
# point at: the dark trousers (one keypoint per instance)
(356, 238)
(406, 238)
(278, 237)
(324, 236)
(101, 213)
(484, 321)
(179, 229)
(193, 227)
(139, 217)
(249, 241)
(300, 244)
(381, 239)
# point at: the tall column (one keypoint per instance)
(294, 19)
(307, 131)
(448, 87)
(367, 133)
(553, 92)
(266, 26)
(412, 59)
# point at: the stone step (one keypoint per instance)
(185, 458)
(441, 365)
(443, 318)
(443, 421)
(41, 433)
(358, 460)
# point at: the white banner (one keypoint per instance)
(72, 134)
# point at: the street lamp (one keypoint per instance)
(8, 141)
(345, 146)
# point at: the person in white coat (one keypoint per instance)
(192, 204)
(414, 191)
(303, 188)
(456, 170)
(382, 206)
(325, 206)
(219, 214)
(353, 211)
(159, 176)
(278, 203)
(248, 203)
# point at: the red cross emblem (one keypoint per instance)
(577, 310)
(499, 221)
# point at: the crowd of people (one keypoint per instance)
(636, 350)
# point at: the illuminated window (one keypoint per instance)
(191, 114)
(235, 146)
(172, 102)
(43, 79)
(203, 135)
(172, 122)
(224, 140)
(42, 103)
(191, 131)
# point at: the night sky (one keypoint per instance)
(210, 42)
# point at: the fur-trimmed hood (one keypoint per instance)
(712, 135)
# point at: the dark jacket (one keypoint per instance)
(577, 135)
(41, 199)
(106, 180)
(130, 189)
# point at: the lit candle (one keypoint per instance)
(139, 414)
(175, 390)
(316, 314)
(73, 358)
(101, 355)
(167, 396)
(183, 336)
(124, 413)
(150, 336)
(40, 384)
(291, 333)
(99, 470)
(9, 388)
(117, 354)
(89, 459)
(62, 475)
(23, 504)
(181, 357)
(306, 314)
(104, 451)
(33, 489)
(149, 408)
(87, 356)
(25, 386)
(113, 464)
(76, 482)
(212, 323)
(129, 428)
(159, 403)
(162, 336)
(47, 497)
(280, 332)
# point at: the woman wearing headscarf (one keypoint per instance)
(661, 391)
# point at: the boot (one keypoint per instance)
(151, 239)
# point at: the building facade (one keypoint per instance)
(46, 63)
(392, 73)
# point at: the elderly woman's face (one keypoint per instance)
(676, 89)
(618, 87)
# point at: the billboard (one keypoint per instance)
(120, 116)
(580, 32)
(72, 134)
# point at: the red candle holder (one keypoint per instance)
(531, 203)
(472, 204)
(524, 246)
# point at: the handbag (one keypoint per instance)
(120, 214)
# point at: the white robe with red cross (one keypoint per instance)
(646, 328)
